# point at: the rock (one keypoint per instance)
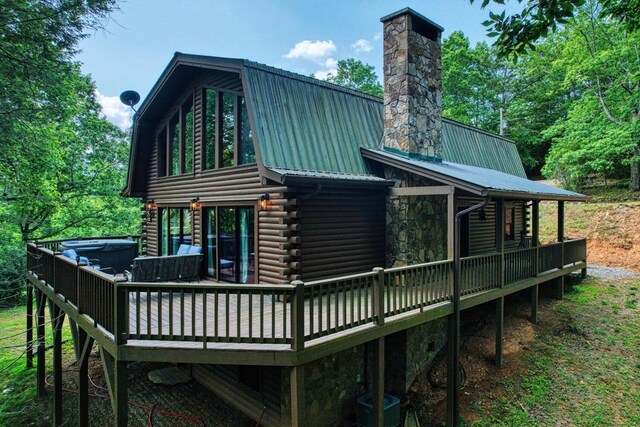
(169, 376)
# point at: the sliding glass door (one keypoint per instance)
(230, 243)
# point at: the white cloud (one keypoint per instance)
(316, 51)
(377, 36)
(362, 45)
(115, 111)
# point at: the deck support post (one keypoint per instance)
(57, 320)
(84, 344)
(583, 273)
(74, 334)
(453, 398)
(40, 331)
(29, 342)
(120, 393)
(499, 330)
(534, 304)
(296, 377)
(378, 382)
(560, 283)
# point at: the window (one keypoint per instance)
(228, 136)
(509, 223)
(175, 142)
(174, 229)
(230, 251)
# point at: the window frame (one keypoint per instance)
(237, 130)
(164, 152)
(511, 225)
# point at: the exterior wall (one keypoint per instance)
(416, 225)
(276, 234)
(413, 86)
(341, 232)
(482, 232)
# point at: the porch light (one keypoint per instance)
(150, 208)
(195, 204)
(264, 201)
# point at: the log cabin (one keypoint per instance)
(342, 234)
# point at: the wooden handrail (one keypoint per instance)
(290, 314)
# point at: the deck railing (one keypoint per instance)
(290, 314)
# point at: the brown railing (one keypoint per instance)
(549, 257)
(520, 264)
(207, 312)
(337, 304)
(289, 314)
(479, 273)
(575, 250)
(416, 286)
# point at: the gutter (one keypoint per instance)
(453, 373)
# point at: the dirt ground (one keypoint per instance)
(478, 359)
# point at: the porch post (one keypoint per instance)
(560, 290)
(296, 377)
(378, 382)
(29, 325)
(500, 237)
(120, 393)
(84, 345)
(40, 331)
(57, 320)
(499, 330)
(450, 225)
(535, 240)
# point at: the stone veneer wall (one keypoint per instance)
(412, 89)
(416, 225)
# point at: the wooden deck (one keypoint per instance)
(284, 323)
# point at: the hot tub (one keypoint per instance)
(115, 253)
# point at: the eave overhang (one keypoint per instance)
(495, 184)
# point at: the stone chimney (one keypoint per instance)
(412, 84)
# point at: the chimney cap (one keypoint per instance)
(415, 15)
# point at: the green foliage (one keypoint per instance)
(517, 34)
(355, 74)
(62, 165)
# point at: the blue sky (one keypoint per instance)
(301, 36)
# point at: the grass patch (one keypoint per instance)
(583, 367)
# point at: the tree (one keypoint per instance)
(519, 32)
(61, 163)
(355, 74)
(602, 60)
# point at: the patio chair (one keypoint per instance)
(93, 263)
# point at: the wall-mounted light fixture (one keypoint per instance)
(264, 201)
(150, 208)
(195, 204)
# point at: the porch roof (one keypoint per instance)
(476, 180)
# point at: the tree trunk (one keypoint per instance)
(634, 182)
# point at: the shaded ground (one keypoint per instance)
(578, 366)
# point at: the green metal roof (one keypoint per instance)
(309, 125)
(477, 180)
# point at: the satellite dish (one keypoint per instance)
(130, 98)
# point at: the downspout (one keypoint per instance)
(453, 373)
